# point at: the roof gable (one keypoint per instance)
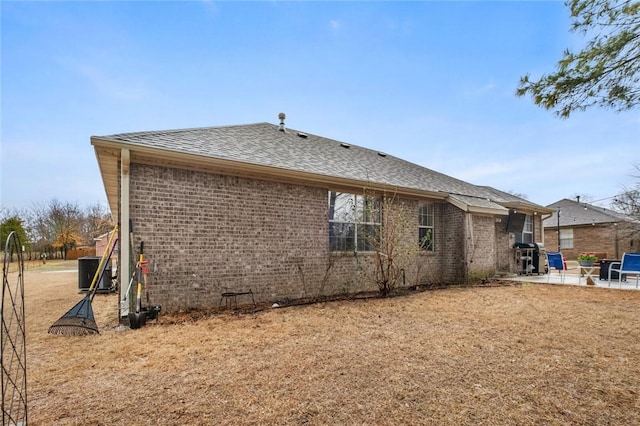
(573, 213)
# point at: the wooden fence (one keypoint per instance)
(80, 252)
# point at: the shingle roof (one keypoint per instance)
(478, 202)
(263, 144)
(575, 213)
(505, 197)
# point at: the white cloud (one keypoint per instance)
(210, 6)
(481, 171)
(114, 86)
(481, 90)
(334, 26)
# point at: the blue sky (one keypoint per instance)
(430, 82)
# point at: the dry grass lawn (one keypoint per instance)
(520, 354)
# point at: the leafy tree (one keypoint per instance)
(65, 220)
(606, 72)
(10, 224)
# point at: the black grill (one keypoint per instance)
(533, 258)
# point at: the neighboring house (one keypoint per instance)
(582, 227)
(288, 214)
(102, 244)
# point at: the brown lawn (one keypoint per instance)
(521, 354)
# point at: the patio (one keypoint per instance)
(572, 277)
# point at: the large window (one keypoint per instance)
(425, 227)
(526, 236)
(354, 221)
(566, 238)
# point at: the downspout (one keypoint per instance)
(615, 225)
(125, 243)
(558, 229)
(469, 245)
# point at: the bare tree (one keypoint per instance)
(628, 202)
(97, 221)
(56, 226)
(517, 194)
(392, 243)
(38, 229)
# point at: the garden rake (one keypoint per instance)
(79, 320)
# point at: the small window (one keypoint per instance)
(426, 236)
(526, 236)
(566, 238)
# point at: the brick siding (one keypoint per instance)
(503, 251)
(481, 247)
(614, 240)
(205, 234)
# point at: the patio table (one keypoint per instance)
(588, 272)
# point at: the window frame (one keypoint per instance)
(426, 228)
(527, 230)
(565, 246)
(361, 215)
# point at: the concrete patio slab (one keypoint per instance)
(574, 278)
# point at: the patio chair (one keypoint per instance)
(630, 265)
(556, 261)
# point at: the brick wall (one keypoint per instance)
(207, 233)
(551, 239)
(628, 237)
(538, 230)
(353, 272)
(427, 267)
(102, 244)
(592, 238)
(451, 255)
(503, 251)
(481, 246)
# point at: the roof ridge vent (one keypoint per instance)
(281, 117)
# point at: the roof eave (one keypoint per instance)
(526, 206)
(476, 209)
(490, 211)
(108, 155)
(108, 161)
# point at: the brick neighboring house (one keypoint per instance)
(587, 228)
(102, 244)
(285, 214)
